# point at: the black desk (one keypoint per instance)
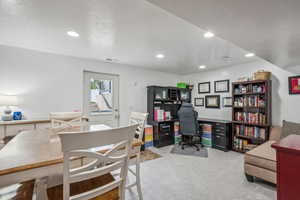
(221, 133)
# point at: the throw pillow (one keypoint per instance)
(290, 128)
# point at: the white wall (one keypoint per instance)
(285, 106)
(47, 82)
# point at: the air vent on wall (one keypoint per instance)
(113, 60)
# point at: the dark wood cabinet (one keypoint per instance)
(221, 133)
(251, 114)
(163, 134)
(168, 99)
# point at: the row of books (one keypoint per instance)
(249, 117)
(161, 115)
(242, 145)
(242, 89)
(254, 132)
(250, 101)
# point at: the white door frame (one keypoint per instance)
(116, 106)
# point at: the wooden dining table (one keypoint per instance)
(37, 154)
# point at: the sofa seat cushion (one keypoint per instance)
(263, 156)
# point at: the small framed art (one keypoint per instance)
(204, 87)
(212, 101)
(221, 86)
(294, 85)
(199, 102)
(227, 101)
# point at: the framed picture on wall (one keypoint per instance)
(212, 101)
(227, 101)
(204, 87)
(294, 85)
(222, 86)
(199, 102)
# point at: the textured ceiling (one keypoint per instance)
(270, 28)
(129, 31)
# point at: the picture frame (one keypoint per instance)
(212, 101)
(294, 85)
(227, 101)
(204, 87)
(222, 86)
(199, 102)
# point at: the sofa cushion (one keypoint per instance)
(275, 133)
(263, 156)
(290, 128)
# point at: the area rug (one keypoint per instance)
(190, 151)
(149, 155)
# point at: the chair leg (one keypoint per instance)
(196, 147)
(138, 178)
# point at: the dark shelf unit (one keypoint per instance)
(251, 131)
(221, 133)
(168, 99)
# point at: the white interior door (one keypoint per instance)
(101, 98)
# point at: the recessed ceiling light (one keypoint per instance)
(160, 56)
(248, 55)
(208, 34)
(73, 34)
(202, 67)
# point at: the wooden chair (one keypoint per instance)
(140, 119)
(93, 180)
(59, 119)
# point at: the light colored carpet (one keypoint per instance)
(190, 151)
(218, 177)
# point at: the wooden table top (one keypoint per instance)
(39, 148)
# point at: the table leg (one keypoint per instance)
(41, 189)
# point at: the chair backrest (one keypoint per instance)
(65, 119)
(188, 120)
(140, 119)
(79, 144)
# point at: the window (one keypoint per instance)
(100, 96)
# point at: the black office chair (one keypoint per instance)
(189, 126)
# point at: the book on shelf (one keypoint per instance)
(250, 117)
(161, 115)
(242, 145)
(239, 144)
(249, 101)
(254, 132)
(250, 88)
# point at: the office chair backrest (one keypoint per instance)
(188, 120)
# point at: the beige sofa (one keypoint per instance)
(260, 162)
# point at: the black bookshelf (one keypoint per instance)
(168, 99)
(251, 114)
